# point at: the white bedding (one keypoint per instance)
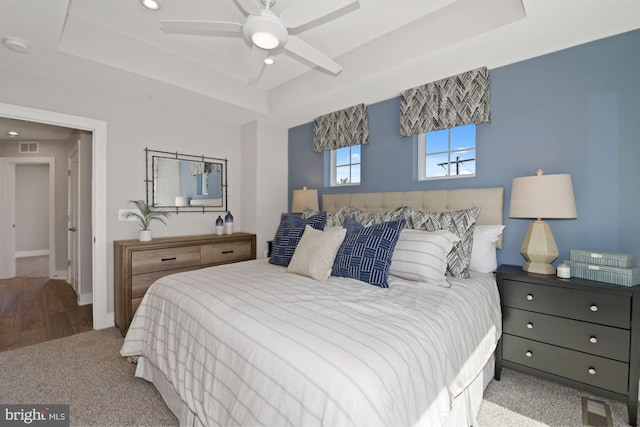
(249, 343)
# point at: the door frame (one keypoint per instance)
(102, 317)
(9, 255)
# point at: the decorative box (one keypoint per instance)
(611, 259)
(606, 274)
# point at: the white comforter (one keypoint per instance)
(249, 344)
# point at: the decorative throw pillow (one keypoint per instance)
(366, 218)
(316, 252)
(334, 219)
(483, 254)
(421, 256)
(365, 253)
(289, 233)
(461, 224)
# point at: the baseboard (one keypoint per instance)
(85, 299)
(25, 254)
(60, 275)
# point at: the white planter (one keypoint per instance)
(145, 235)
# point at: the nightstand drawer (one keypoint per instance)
(596, 307)
(585, 368)
(600, 340)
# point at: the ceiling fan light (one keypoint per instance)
(265, 40)
(151, 4)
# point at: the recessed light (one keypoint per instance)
(150, 4)
(269, 61)
(15, 45)
(12, 133)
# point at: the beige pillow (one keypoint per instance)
(316, 252)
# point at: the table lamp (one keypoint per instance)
(541, 197)
(304, 198)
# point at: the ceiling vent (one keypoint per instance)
(29, 147)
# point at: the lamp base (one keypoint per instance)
(538, 267)
(539, 249)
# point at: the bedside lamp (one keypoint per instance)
(541, 196)
(304, 198)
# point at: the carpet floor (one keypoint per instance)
(33, 266)
(87, 372)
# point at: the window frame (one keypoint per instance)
(422, 157)
(333, 182)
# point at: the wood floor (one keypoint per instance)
(37, 309)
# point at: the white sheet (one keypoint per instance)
(248, 343)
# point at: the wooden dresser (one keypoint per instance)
(578, 332)
(139, 264)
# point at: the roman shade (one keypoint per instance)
(341, 128)
(453, 101)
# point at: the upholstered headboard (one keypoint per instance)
(490, 201)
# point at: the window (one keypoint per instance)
(447, 153)
(345, 166)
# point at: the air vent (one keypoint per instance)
(29, 147)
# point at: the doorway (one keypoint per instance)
(102, 317)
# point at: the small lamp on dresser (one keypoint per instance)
(541, 197)
(304, 198)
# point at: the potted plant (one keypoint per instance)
(145, 215)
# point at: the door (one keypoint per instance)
(73, 244)
(7, 219)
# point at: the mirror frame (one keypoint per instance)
(150, 184)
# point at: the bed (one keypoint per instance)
(255, 344)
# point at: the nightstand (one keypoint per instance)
(578, 332)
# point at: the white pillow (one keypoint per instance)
(421, 256)
(483, 254)
(316, 252)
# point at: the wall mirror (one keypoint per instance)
(186, 183)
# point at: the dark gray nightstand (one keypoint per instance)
(578, 332)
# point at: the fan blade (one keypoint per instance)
(311, 10)
(256, 63)
(311, 54)
(202, 28)
(250, 6)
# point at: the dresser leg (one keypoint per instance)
(633, 412)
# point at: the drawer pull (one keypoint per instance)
(593, 340)
(529, 297)
(227, 252)
(529, 325)
(592, 371)
(529, 354)
(594, 307)
(169, 259)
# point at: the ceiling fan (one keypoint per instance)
(265, 31)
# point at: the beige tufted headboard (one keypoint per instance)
(490, 201)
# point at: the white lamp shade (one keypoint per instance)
(304, 198)
(542, 196)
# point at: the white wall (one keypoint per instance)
(32, 209)
(264, 179)
(132, 125)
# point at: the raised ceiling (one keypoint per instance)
(383, 46)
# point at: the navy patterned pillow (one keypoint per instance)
(365, 253)
(289, 233)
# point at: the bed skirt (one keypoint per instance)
(463, 413)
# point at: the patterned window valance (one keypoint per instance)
(341, 128)
(454, 101)
(198, 168)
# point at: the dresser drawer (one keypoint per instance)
(605, 341)
(165, 259)
(597, 307)
(221, 253)
(141, 282)
(605, 373)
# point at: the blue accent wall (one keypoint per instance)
(573, 111)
